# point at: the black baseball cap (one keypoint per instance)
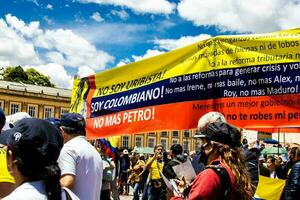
(4, 136)
(36, 142)
(73, 120)
(221, 132)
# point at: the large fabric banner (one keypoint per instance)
(252, 79)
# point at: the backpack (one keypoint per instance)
(224, 180)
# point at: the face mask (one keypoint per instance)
(203, 157)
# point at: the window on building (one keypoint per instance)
(63, 111)
(164, 134)
(186, 146)
(138, 141)
(186, 133)
(14, 108)
(125, 142)
(48, 112)
(174, 141)
(151, 142)
(32, 110)
(152, 134)
(175, 133)
(2, 104)
(164, 143)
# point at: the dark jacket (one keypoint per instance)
(292, 188)
(168, 167)
(252, 166)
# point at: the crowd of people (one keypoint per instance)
(51, 159)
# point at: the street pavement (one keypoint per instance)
(126, 197)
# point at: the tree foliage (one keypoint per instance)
(30, 76)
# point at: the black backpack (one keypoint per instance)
(224, 179)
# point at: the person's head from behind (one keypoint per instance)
(176, 149)
(33, 149)
(72, 125)
(2, 119)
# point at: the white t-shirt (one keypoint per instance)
(34, 190)
(80, 158)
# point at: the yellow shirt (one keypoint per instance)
(4, 174)
(154, 173)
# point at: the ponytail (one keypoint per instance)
(51, 177)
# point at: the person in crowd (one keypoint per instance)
(225, 176)
(135, 177)
(292, 159)
(33, 147)
(251, 160)
(257, 144)
(271, 167)
(176, 152)
(263, 170)
(124, 166)
(245, 143)
(177, 158)
(6, 180)
(108, 175)
(155, 166)
(80, 163)
(292, 188)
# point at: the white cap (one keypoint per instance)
(210, 117)
(14, 118)
(125, 151)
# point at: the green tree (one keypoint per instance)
(15, 74)
(36, 78)
(30, 76)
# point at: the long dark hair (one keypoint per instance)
(49, 174)
(234, 158)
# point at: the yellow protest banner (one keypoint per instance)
(252, 79)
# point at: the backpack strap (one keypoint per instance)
(224, 178)
(68, 196)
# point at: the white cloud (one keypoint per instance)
(170, 44)
(123, 62)
(140, 6)
(48, 20)
(85, 71)
(14, 49)
(57, 73)
(149, 53)
(97, 17)
(241, 15)
(34, 1)
(29, 45)
(120, 13)
(49, 7)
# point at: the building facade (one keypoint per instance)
(37, 101)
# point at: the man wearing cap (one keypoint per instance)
(33, 147)
(80, 163)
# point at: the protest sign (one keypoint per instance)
(252, 79)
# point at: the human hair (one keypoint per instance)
(73, 131)
(176, 149)
(158, 145)
(234, 158)
(272, 159)
(49, 174)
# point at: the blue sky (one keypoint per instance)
(62, 38)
